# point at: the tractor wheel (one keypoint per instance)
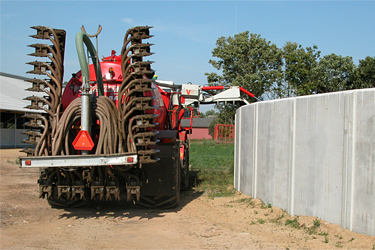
(164, 201)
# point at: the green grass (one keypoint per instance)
(206, 154)
(214, 165)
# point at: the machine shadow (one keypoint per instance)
(126, 209)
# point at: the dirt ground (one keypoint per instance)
(200, 222)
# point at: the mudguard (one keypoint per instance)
(163, 177)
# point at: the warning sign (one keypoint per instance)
(83, 141)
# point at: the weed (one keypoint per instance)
(255, 212)
(261, 221)
(339, 236)
(17, 161)
(277, 219)
(281, 216)
(293, 223)
(351, 239)
(326, 239)
(262, 205)
(339, 244)
(247, 201)
(316, 225)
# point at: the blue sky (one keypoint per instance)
(185, 32)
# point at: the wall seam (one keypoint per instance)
(239, 152)
(293, 163)
(255, 152)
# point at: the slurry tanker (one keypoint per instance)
(113, 132)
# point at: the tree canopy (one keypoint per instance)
(269, 72)
(246, 60)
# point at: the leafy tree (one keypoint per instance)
(246, 60)
(299, 63)
(202, 115)
(259, 66)
(365, 74)
(210, 112)
(333, 73)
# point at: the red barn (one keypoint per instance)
(201, 128)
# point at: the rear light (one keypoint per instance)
(167, 140)
(27, 162)
(130, 159)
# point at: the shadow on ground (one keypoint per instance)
(116, 209)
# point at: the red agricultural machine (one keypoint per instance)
(113, 132)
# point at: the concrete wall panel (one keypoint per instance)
(318, 158)
(363, 211)
(312, 155)
(273, 151)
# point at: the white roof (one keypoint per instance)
(165, 82)
(12, 93)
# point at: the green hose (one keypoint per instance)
(81, 38)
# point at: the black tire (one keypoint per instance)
(163, 201)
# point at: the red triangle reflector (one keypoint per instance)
(83, 141)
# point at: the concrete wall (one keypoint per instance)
(312, 155)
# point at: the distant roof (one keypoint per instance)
(14, 76)
(12, 93)
(198, 122)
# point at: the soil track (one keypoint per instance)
(200, 222)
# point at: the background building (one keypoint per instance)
(12, 110)
(201, 127)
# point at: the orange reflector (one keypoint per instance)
(28, 162)
(83, 141)
(130, 159)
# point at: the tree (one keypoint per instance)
(299, 63)
(333, 73)
(246, 60)
(365, 74)
(259, 66)
(211, 113)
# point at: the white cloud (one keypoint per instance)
(128, 20)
